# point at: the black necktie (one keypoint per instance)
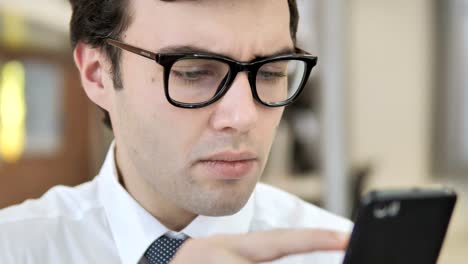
(163, 249)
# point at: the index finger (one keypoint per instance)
(274, 244)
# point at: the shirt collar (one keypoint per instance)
(134, 229)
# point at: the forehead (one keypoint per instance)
(237, 28)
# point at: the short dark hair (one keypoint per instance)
(95, 20)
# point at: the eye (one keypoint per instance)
(191, 75)
(271, 75)
(273, 71)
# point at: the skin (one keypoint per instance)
(258, 247)
(159, 146)
(163, 152)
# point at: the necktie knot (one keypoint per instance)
(163, 249)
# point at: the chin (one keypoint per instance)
(220, 203)
(214, 197)
(222, 209)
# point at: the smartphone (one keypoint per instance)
(401, 226)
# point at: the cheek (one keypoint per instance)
(170, 132)
(269, 120)
(153, 121)
(142, 97)
(158, 134)
(143, 77)
(182, 128)
(139, 106)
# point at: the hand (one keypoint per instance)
(258, 246)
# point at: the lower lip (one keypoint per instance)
(231, 170)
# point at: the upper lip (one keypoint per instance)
(231, 156)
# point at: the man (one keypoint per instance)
(194, 91)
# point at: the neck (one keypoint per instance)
(167, 213)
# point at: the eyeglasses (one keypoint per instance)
(194, 80)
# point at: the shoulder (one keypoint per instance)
(275, 208)
(59, 201)
(43, 223)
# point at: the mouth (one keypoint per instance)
(229, 165)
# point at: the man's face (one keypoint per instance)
(207, 160)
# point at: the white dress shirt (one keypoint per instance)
(99, 222)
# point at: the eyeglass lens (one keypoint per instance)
(196, 81)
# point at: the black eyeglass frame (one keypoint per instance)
(167, 60)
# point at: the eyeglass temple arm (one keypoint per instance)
(153, 56)
(301, 51)
(138, 51)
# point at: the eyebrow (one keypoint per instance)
(195, 49)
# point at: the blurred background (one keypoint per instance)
(385, 108)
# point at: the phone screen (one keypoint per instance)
(400, 227)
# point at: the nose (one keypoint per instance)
(237, 111)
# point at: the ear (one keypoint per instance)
(91, 64)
